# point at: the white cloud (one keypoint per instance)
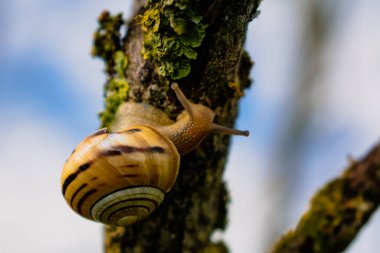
(245, 181)
(350, 94)
(33, 208)
(272, 44)
(64, 33)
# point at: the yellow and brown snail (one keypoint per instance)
(119, 178)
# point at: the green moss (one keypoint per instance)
(116, 89)
(334, 219)
(107, 38)
(172, 32)
(336, 214)
(108, 46)
(218, 247)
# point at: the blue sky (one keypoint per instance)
(51, 92)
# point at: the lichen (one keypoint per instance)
(107, 38)
(116, 89)
(172, 32)
(108, 46)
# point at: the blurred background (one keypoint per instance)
(314, 104)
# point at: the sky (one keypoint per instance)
(51, 93)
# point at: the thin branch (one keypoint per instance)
(338, 211)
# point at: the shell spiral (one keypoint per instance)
(120, 178)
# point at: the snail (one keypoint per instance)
(119, 177)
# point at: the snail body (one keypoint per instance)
(119, 178)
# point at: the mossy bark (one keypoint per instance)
(197, 204)
(338, 211)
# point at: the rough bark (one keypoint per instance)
(338, 211)
(197, 204)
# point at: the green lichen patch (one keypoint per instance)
(172, 32)
(116, 89)
(107, 45)
(107, 38)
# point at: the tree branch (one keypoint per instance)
(338, 211)
(140, 69)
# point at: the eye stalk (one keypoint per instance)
(193, 125)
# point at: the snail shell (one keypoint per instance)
(119, 178)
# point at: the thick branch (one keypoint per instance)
(197, 203)
(338, 211)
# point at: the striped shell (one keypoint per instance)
(120, 178)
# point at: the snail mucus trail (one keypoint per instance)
(119, 178)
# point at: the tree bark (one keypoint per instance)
(197, 204)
